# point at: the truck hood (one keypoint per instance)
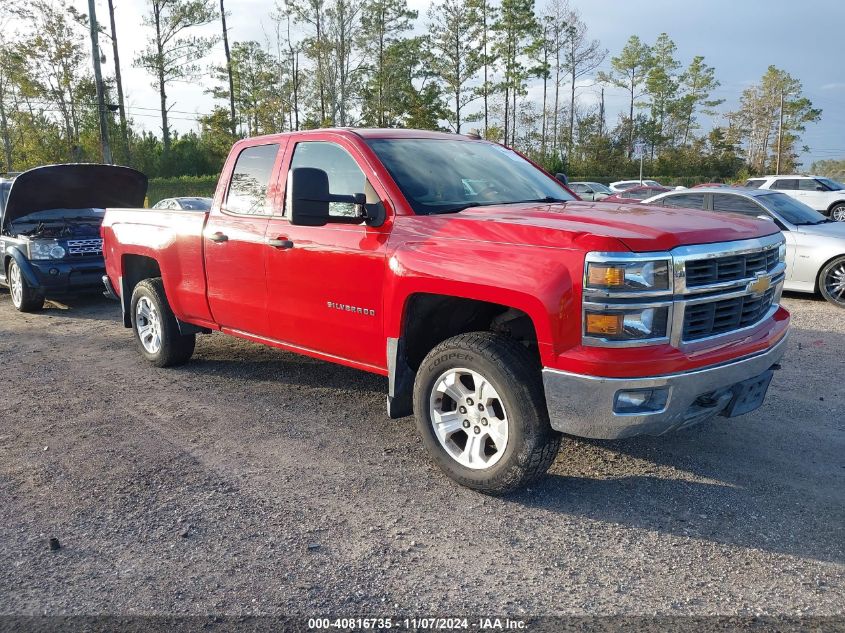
(77, 186)
(640, 227)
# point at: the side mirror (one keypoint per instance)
(561, 177)
(308, 197)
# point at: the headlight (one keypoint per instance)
(44, 249)
(635, 324)
(628, 276)
(782, 252)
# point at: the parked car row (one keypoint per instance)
(825, 195)
(809, 210)
(815, 245)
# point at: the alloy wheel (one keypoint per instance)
(469, 418)
(834, 282)
(838, 213)
(16, 284)
(148, 325)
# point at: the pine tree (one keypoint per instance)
(455, 28)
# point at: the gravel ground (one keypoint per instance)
(253, 481)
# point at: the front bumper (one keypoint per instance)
(60, 277)
(585, 405)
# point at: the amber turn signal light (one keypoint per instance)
(604, 324)
(606, 276)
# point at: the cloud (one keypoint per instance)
(839, 85)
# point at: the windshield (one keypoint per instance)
(597, 187)
(445, 176)
(831, 184)
(790, 209)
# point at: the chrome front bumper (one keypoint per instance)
(584, 405)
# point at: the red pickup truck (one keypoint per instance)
(504, 311)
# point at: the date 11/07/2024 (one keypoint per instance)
(414, 624)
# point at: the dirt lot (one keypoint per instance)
(256, 481)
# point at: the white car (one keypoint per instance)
(825, 195)
(590, 190)
(815, 245)
(184, 204)
(622, 185)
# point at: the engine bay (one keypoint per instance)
(57, 224)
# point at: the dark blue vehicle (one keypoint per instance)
(50, 228)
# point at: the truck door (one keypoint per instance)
(326, 283)
(233, 241)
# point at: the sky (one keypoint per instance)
(740, 38)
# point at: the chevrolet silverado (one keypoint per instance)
(503, 311)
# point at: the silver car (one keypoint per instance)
(590, 190)
(815, 255)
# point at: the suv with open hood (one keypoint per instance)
(50, 227)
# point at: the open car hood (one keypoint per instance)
(76, 186)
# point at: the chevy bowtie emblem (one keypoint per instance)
(760, 285)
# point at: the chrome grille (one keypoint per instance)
(85, 248)
(725, 315)
(703, 272)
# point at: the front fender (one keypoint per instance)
(542, 283)
(28, 272)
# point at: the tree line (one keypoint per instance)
(514, 71)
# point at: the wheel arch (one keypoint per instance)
(428, 319)
(134, 269)
(834, 204)
(823, 266)
(13, 252)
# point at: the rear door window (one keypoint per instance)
(789, 184)
(247, 193)
(685, 201)
(736, 204)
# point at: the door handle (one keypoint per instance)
(280, 243)
(218, 237)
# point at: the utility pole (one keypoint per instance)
(98, 77)
(780, 134)
(119, 81)
(234, 123)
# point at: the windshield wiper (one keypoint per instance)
(544, 199)
(456, 208)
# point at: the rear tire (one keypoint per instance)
(24, 298)
(837, 212)
(156, 330)
(481, 411)
(832, 282)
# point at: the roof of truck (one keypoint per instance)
(369, 133)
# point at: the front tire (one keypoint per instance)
(156, 330)
(24, 298)
(481, 411)
(832, 282)
(837, 212)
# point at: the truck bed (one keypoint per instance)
(173, 238)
